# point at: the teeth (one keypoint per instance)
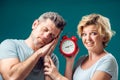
(89, 43)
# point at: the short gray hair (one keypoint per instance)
(55, 17)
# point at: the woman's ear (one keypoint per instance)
(104, 38)
(35, 24)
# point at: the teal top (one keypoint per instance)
(13, 48)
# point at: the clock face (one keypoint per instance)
(68, 46)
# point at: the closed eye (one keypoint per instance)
(45, 29)
(52, 36)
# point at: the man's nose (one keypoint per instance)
(48, 34)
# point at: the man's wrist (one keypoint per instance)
(39, 53)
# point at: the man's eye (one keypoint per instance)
(52, 36)
(45, 29)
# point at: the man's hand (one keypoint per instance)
(48, 48)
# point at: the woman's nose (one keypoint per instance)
(88, 37)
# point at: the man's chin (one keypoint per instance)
(38, 46)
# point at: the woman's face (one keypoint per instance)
(91, 38)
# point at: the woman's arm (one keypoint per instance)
(51, 70)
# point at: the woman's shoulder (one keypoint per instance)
(82, 58)
(79, 61)
(108, 57)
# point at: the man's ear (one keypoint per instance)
(35, 24)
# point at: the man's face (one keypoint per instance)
(44, 32)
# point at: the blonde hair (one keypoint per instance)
(103, 24)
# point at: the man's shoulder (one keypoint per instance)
(54, 56)
(55, 59)
(10, 41)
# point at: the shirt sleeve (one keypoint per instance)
(108, 65)
(8, 49)
(55, 60)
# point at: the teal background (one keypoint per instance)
(17, 16)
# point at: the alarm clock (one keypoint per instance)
(68, 46)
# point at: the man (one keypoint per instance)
(24, 59)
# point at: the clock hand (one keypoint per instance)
(68, 46)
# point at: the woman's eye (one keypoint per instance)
(94, 33)
(83, 34)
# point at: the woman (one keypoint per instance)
(95, 32)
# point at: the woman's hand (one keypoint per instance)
(50, 69)
(71, 58)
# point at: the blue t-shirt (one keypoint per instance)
(13, 48)
(106, 64)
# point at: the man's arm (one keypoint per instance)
(13, 69)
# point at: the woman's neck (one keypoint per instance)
(96, 55)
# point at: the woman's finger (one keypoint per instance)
(46, 71)
(51, 62)
(47, 65)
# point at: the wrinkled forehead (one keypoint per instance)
(50, 25)
(54, 30)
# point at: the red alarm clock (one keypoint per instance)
(68, 46)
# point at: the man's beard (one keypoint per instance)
(37, 44)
